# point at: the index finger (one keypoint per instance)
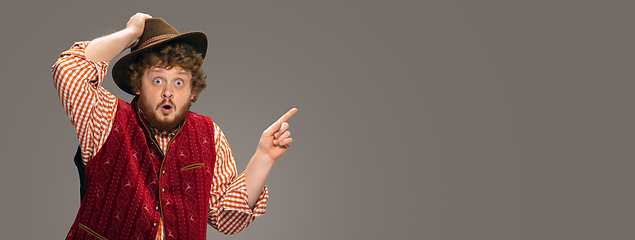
(288, 115)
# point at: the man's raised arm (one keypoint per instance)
(108, 47)
(77, 77)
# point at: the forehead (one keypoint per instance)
(176, 70)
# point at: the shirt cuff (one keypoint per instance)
(236, 198)
(78, 50)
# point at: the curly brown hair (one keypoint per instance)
(169, 56)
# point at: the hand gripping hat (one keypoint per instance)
(155, 33)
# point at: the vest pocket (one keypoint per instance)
(192, 166)
(91, 232)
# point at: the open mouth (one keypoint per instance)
(166, 109)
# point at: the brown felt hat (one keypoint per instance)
(155, 33)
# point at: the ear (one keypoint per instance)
(137, 91)
(192, 95)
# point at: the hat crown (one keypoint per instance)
(155, 29)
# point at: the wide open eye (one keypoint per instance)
(179, 83)
(157, 81)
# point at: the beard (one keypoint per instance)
(159, 121)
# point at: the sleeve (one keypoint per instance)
(90, 107)
(229, 211)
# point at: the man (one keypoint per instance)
(153, 169)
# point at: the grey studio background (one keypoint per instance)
(417, 119)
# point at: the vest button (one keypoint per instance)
(154, 224)
(163, 190)
(163, 172)
(156, 208)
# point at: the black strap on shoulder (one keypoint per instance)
(80, 169)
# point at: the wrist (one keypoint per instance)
(263, 159)
(131, 36)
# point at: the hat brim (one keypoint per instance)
(198, 40)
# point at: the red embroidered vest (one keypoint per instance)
(131, 184)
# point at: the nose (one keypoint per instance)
(167, 91)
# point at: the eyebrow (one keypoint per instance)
(156, 70)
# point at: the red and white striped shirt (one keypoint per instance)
(91, 109)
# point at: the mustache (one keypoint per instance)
(166, 101)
